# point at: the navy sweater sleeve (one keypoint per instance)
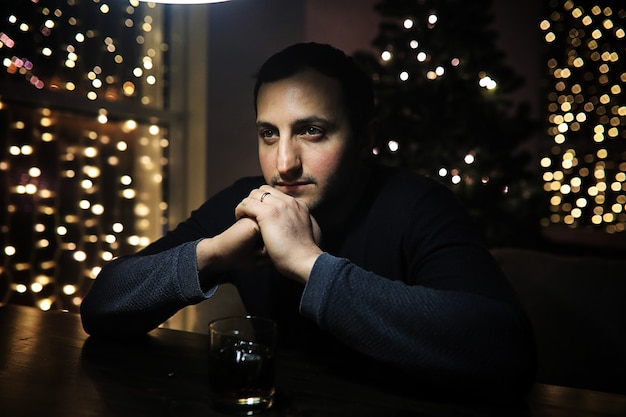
(136, 293)
(445, 338)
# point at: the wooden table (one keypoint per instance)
(50, 367)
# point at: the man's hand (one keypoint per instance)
(290, 234)
(238, 247)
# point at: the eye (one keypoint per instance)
(268, 133)
(313, 131)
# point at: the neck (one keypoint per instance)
(337, 211)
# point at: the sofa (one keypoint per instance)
(577, 306)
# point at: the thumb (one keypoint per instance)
(317, 232)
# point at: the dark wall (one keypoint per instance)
(243, 33)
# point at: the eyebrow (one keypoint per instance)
(302, 122)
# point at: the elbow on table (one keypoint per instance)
(513, 372)
(520, 375)
(99, 321)
(95, 321)
(503, 361)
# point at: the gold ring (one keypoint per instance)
(265, 194)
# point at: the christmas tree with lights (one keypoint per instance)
(444, 111)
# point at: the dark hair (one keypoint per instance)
(356, 85)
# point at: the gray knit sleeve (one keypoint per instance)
(414, 327)
(137, 293)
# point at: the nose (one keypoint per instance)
(288, 160)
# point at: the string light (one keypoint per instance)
(585, 171)
(82, 189)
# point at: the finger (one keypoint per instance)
(243, 210)
(317, 232)
(269, 193)
(246, 207)
(265, 194)
(261, 256)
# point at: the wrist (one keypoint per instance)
(205, 254)
(302, 269)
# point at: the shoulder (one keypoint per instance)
(403, 188)
(419, 205)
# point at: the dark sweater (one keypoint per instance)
(405, 283)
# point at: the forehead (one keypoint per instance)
(308, 91)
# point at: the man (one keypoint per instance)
(350, 259)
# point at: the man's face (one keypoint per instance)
(306, 148)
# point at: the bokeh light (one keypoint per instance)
(584, 170)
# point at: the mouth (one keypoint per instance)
(291, 188)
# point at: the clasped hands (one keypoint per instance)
(272, 227)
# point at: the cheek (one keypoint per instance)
(324, 165)
(267, 164)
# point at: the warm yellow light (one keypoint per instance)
(69, 289)
(45, 304)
